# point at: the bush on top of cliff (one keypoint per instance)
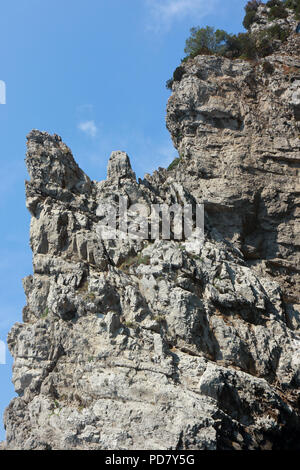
(203, 39)
(243, 45)
(247, 46)
(278, 9)
(251, 9)
(207, 41)
(293, 5)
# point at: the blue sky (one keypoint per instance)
(94, 72)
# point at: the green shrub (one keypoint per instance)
(205, 41)
(134, 261)
(253, 5)
(201, 51)
(277, 11)
(178, 73)
(229, 45)
(174, 163)
(250, 10)
(273, 3)
(45, 313)
(249, 19)
(247, 45)
(169, 84)
(277, 32)
(143, 259)
(240, 45)
(177, 76)
(159, 318)
(200, 39)
(243, 45)
(130, 261)
(130, 324)
(293, 5)
(268, 67)
(263, 46)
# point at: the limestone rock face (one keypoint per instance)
(119, 166)
(237, 131)
(129, 343)
(263, 22)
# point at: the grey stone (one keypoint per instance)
(176, 345)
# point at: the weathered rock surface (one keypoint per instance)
(237, 130)
(262, 21)
(133, 344)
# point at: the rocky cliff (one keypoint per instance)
(168, 344)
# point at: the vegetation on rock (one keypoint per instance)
(251, 9)
(247, 45)
(250, 45)
(277, 10)
(174, 163)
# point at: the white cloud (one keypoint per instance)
(88, 127)
(164, 12)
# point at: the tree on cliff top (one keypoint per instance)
(208, 41)
(205, 40)
(201, 39)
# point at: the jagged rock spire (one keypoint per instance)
(50, 163)
(191, 347)
(119, 166)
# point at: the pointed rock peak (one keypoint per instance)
(50, 163)
(119, 166)
(40, 137)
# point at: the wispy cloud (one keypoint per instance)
(164, 12)
(88, 127)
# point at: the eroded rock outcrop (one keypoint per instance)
(237, 131)
(166, 344)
